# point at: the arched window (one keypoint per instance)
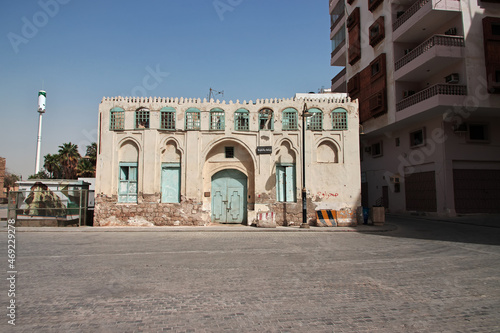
(266, 119)
(289, 122)
(216, 119)
(339, 118)
(193, 119)
(128, 155)
(315, 122)
(117, 119)
(167, 121)
(241, 120)
(142, 118)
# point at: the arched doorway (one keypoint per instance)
(229, 193)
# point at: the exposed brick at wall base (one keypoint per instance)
(290, 213)
(110, 213)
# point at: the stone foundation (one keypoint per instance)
(290, 213)
(191, 213)
(110, 213)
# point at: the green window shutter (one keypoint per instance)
(266, 119)
(280, 183)
(217, 121)
(127, 183)
(289, 122)
(285, 183)
(290, 183)
(167, 121)
(193, 119)
(315, 122)
(117, 119)
(339, 119)
(241, 120)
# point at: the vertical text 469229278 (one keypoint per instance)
(11, 271)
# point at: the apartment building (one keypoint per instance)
(427, 77)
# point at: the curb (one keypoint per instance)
(361, 228)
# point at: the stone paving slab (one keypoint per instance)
(424, 276)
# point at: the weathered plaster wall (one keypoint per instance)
(332, 160)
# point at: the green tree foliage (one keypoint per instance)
(68, 159)
(85, 168)
(10, 180)
(53, 166)
(40, 175)
(91, 153)
(68, 163)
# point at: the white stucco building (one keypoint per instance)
(427, 76)
(176, 161)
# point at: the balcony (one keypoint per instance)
(337, 14)
(431, 56)
(423, 16)
(332, 4)
(338, 20)
(339, 82)
(431, 101)
(338, 56)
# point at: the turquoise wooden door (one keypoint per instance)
(285, 182)
(229, 191)
(170, 182)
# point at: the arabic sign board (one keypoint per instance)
(264, 150)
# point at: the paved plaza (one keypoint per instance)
(418, 276)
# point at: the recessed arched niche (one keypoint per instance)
(170, 153)
(327, 152)
(285, 154)
(129, 152)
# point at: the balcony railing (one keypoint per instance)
(437, 89)
(338, 76)
(443, 40)
(338, 48)
(409, 13)
(339, 18)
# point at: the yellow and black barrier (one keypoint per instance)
(327, 217)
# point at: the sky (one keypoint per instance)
(80, 51)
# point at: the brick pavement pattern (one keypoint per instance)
(426, 276)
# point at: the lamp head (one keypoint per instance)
(305, 112)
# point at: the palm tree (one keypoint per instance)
(69, 156)
(87, 164)
(85, 168)
(53, 165)
(91, 153)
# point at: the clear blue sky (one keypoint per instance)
(80, 51)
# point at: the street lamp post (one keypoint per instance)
(305, 114)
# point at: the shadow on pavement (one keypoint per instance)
(476, 229)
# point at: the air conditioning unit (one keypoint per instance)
(408, 93)
(452, 78)
(396, 179)
(451, 32)
(407, 51)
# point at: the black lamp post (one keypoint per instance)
(305, 114)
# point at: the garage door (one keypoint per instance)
(420, 191)
(476, 191)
